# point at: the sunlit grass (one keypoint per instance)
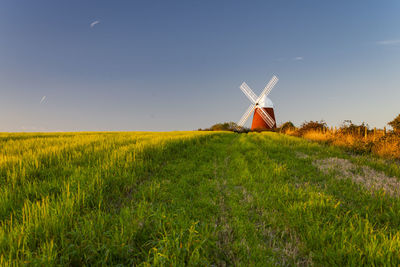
(188, 198)
(387, 146)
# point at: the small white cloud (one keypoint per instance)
(43, 99)
(298, 58)
(389, 42)
(94, 23)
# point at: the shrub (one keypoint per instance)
(348, 127)
(311, 126)
(388, 146)
(353, 138)
(287, 126)
(395, 124)
(226, 126)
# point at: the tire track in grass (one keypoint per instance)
(225, 232)
(195, 196)
(185, 206)
(273, 243)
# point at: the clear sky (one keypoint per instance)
(81, 65)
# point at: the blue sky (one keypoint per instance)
(178, 65)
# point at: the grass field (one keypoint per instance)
(194, 198)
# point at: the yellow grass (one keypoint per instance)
(379, 143)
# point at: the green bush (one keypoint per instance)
(395, 124)
(225, 126)
(287, 126)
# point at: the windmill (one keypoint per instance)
(262, 106)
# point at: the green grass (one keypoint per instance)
(188, 198)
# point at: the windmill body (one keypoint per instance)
(258, 122)
(264, 117)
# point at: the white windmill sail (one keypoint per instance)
(268, 87)
(248, 92)
(246, 115)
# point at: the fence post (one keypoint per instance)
(384, 131)
(365, 133)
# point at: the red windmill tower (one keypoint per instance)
(264, 117)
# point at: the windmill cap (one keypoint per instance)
(265, 102)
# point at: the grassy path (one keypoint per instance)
(211, 200)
